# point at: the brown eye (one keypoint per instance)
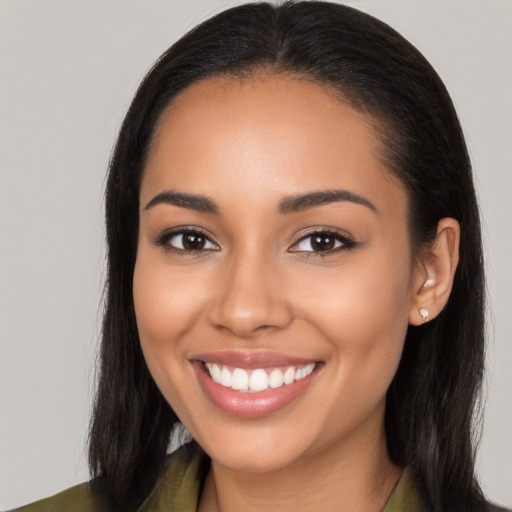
(187, 241)
(193, 241)
(319, 242)
(322, 242)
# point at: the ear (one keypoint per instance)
(434, 273)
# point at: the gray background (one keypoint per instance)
(68, 70)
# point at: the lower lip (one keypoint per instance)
(251, 405)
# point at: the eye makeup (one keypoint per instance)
(192, 240)
(323, 242)
(185, 240)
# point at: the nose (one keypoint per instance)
(250, 299)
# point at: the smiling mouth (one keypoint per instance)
(254, 385)
(259, 379)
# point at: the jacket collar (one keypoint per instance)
(179, 487)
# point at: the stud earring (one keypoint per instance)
(424, 314)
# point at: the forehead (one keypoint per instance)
(266, 136)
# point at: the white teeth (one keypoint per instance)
(304, 372)
(215, 372)
(240, 380)
(225, 378)
(289, 375)
(309, 369)
(258, 380)
(276, 379)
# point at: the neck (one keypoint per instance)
(337, 478)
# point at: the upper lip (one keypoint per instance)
(252, 360)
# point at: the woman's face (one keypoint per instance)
(273, 257)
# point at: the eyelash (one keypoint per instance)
(347, 243)
(163, 240)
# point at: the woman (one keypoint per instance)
(295, 274)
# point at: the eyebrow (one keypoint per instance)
(198, 203)
(300, 202)
(290, 204)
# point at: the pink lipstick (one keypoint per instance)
(251, 385)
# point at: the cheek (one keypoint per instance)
(367, 291)
(362, 311)
(165, 309)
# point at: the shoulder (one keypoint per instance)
(78, 499)
(180, 485)
(177, 489)
(407, 497)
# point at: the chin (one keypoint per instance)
(256, 446)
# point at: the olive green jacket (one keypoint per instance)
(177, 490)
